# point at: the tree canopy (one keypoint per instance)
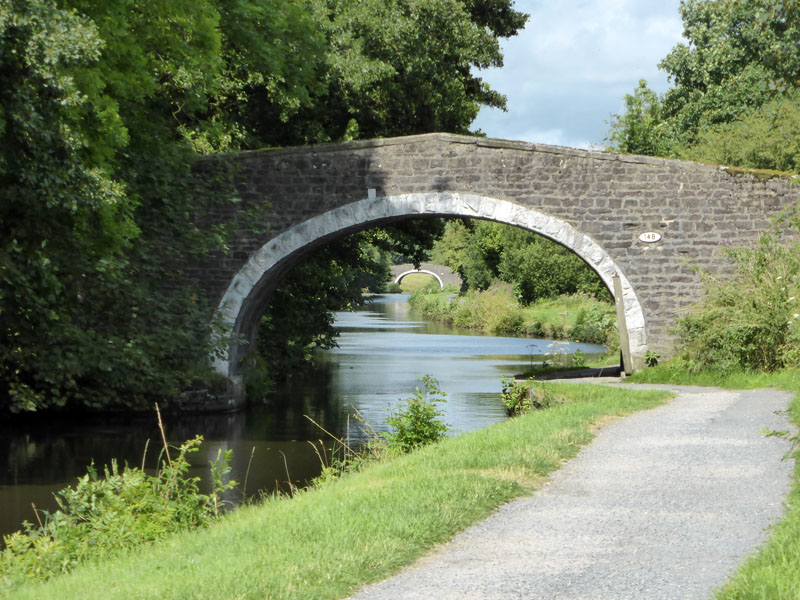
(734, 76)
(105, 106)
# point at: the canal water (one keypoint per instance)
(383, 352)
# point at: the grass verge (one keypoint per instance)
(773, 572)
(327, 541)
(676, 373)
(495, 311)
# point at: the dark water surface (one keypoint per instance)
(383, 351)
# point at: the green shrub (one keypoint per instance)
(515, 397)
(535, 329)
(419, 422)
(651, 358)
(415, 424)
(433, 306)
(594, 325)
(502, 313)
(519, 398)
(750, 320)
(578, 359)
(100, 516)
(765, 137)
(494, 311)
(392, 288)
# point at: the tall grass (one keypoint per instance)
(496, 311)
(102, 515)
(327, 541)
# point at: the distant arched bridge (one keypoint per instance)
(644, 220)
(444, 275)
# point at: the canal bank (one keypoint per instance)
(326, 541)
(383, 350)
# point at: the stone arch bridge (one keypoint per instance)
(444, 275)
(645, 220)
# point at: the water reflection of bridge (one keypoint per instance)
(444, 275)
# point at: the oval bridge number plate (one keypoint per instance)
(649, 237)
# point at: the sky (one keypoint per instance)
(568, 71)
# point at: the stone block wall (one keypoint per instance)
(604, 200)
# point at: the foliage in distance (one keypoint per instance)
(496, 311)
(482, 251)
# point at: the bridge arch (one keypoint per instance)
(400, 277)
(241, 305)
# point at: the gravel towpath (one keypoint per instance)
(662, 504)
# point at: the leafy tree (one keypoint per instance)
(66, 221)
(721, 71)
(399, 67)
(539, 268)
(498, 16)
(407, 241)
(472, 249)
(105, 106)
(99, 102)
(642, 128)
(275, 65)
(767, 137)
(738, 55)
(779, 21)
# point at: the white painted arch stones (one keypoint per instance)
(408, 272)
(375, 210)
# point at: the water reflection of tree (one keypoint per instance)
(283, 416)
(42, 452)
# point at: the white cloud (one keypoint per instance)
(568, 71)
